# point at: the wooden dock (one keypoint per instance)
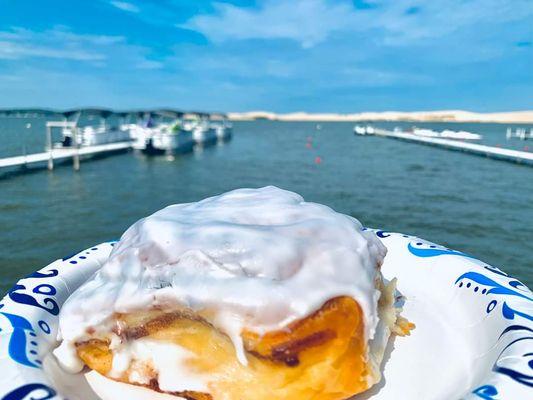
(516, 156)
(61, 154)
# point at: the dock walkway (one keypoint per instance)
(61, 154)
(516, 156)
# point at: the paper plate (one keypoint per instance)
(473, 336)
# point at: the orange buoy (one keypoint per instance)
(318, 160)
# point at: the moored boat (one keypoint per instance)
(223, 128)
(199, 125)
(460, 135)
(74, 135)
(204, 135)
(163, 139)
(425, 132)
(359, 130)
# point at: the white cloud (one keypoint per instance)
(14, 50)
(57, 43)
(64, 34)
(392, 23)
(307, 22)
(54, 47)
(308, 54)
(438, 19)
(125, 6)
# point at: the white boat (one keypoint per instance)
(223, 131)
(129, 128)
(74, 135)
(223, 128)
(460, 135)
(91, 136)
(163, 139)
(446, 134)
(359, 130)
(203, 133)
(139, 134)
(426, 132)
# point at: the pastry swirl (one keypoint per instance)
(253, 294)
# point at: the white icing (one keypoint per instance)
(255, 258)
(68, 358)
(387, 313)
(108, 389)
(166, 361)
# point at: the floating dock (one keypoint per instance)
(89, 141)
(516, 156)
(61, 154)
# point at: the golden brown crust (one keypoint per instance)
(324, 354)
(188, 394)
(315, 330)
(96, 354)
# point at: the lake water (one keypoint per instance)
(477, 205)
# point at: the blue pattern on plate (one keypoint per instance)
(486, 392)
(18, 342)
(496, 288)
(510, 313)
(433, 252)
(18, 295)
(524, 376)
(521, 369)
(22, 392)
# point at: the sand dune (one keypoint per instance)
(418, 116)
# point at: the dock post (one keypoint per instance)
(49, 145)
(76, 156)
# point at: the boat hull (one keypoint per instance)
(89, 136)
(223, 133)
(105, 137)
(204, 136)
(165, 143)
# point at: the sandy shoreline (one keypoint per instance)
(416, 116)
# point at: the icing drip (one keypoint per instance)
(250, 258)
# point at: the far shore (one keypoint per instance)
(512, 117)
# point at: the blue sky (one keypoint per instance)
(282, 56)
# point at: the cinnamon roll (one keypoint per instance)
(253, 294)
